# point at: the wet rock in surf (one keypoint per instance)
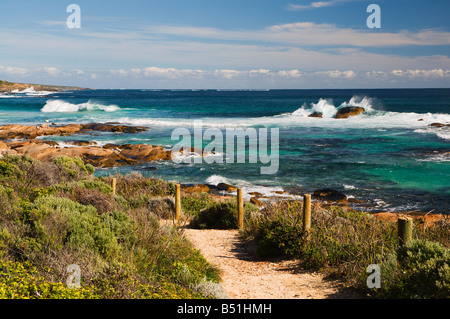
(439, 125)
(316, 114)
(226, 187)
(330, 195)
(348, 111)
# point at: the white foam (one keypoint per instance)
(62, 106)
(436, 158)
(443, 133)
(30, 91)
(370, 118)
(7, 96)
(248, 188)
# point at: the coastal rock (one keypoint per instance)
(226, 187)
(3, 146)
(108, 156)
(111, 146)
(112, 128)
(255, 194)
(197, 188)
(81, 143)
(347, 111)
(255, 201)
(439, 125)
(424, 220)
(316, 114)
(12, 131)
(95, 155)
(329, 195)
(146, 153)
(8, 87)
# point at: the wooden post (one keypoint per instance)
(240, 202)
(114, 182)
(178, 202)
(405, 226)
(306, 214)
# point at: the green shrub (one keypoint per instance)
(279, 238)
(8, 200)
(74, 167)
(8, 169)
(420, 269)
(221, 215)
(73, 224)
(103, 203)
(96, 184)
(194, 203)
(21, 281)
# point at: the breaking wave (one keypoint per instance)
(62, 106)
(372, 117)
(329, 110)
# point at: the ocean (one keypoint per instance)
(388, 157)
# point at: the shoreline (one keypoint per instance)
(17, 139)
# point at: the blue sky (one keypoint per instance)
(246, 44)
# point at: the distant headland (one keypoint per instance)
(11, 87)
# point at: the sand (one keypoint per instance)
(245, 277)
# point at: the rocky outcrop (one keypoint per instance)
(226, 187)
(316, 114)
(145, 153)
(424, 220)
(108, 156)
(15, 131)
(348, 111)
(8, 87)
(257, 202)
(108, 127)
(197, 188)
(439, 125)
(80, 143)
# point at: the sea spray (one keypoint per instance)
(61, 106)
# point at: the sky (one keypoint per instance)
(210, 44)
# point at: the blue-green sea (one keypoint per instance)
(389, 156)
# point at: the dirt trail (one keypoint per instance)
(245, 277)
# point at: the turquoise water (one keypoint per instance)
(388, 156)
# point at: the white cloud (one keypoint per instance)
(434, 73)
(316, 4)
(227, 74)
(338, 74)
(13, 70)
(290, 74)
(52, 71)
(309, 33)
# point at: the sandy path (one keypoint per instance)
(246, 278)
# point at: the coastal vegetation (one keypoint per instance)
(343, 243)
(56, 214)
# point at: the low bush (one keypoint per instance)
(194, 203)
(419, 269)
(74, 167)
(221, 215)
(21, 281)
(56, 214)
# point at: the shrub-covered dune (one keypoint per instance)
(56, 217)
